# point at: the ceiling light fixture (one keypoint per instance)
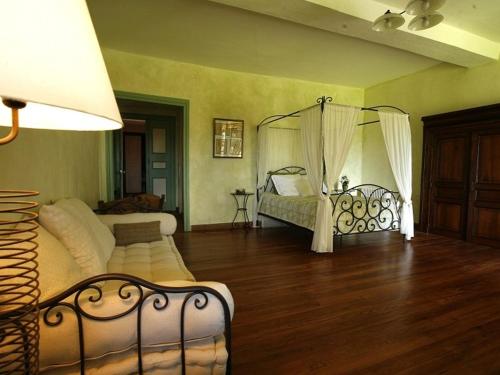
(425, 21)
(420, 7)
(388, 22)
(423, 10)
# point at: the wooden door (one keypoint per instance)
(449, 178)
(484, 197)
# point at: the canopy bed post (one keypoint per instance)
(332, 128)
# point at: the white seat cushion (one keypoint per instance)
(155, 261)
(206, 356)
(160, 327)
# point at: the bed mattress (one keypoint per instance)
(298, 210)
(351, 213)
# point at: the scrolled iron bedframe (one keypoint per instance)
(90, 290)
(361, 209)
(364, 209)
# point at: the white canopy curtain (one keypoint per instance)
(397, 137)
(326, 137)
(277, 146)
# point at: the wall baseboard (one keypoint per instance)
(214, 227)
(226, 226)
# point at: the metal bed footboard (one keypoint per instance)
(365, 209)
(53, 310)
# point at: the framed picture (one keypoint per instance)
(228, 138)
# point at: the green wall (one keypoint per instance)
(225, 94)
(436, 90)
(55, 163)
(62, 163)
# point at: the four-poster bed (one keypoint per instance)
(321, 144)
(361, 209)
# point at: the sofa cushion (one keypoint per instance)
(154, 261)
(127, 234)
(160, 326)
(168, 223)
(100, 232)
(75, 237)
(58, 269)
(206, 356)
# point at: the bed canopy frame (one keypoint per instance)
(327, 128)
(321, 101)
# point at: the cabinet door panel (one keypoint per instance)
(484, 201)
(451, 160)
(449, 185)
(448, 216)
(488, 159)
(488, 224)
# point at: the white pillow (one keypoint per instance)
(303, 186)
(286, 184)
(75, 237)
(58, 269)
(100, 232)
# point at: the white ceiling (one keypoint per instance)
(292, 40)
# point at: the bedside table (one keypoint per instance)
(241, 200)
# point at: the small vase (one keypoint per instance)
(345, 186)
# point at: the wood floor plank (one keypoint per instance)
(378, 305)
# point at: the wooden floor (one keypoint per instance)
(377, 306)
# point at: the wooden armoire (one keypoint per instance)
(460, 195)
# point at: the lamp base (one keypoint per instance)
(19, 293)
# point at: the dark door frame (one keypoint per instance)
(184, 104)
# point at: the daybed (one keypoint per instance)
(125, 309)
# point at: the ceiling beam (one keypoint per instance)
(354, 18)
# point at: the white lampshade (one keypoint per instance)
(425, 21)
(420, 7)
(50, 59)
(388, 22)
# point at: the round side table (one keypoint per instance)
(241, 200)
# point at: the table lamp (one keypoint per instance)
(52, 76)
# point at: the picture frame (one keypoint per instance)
(228, 138)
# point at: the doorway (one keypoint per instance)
(133, 158)
(149, 155)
